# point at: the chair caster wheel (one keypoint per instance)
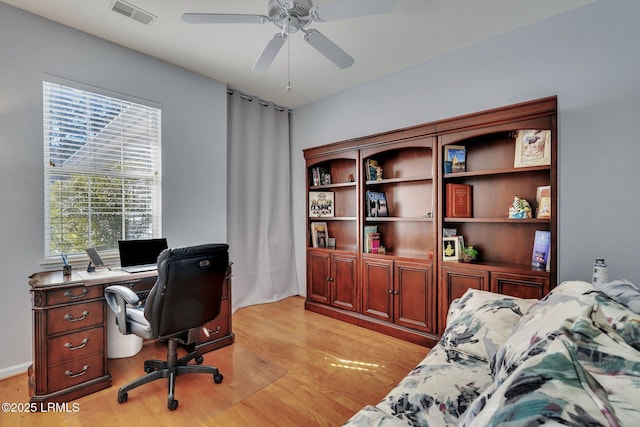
(172, 404)
(217, 378)
(148, 368)
(199, 360)
(122, 397)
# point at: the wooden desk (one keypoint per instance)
(70, 335)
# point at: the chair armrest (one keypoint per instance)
(118, 297)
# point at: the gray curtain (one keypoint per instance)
(260, 230)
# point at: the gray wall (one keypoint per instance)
(194, 121)
(587, 57)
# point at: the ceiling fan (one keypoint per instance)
(293, 15)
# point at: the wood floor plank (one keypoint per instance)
(332, 370)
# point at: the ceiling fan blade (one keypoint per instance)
(328, 48)
(223, 18)
(269, 53)
(344, 9)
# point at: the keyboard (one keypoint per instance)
(140, 268)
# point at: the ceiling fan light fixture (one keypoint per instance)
(296, 15)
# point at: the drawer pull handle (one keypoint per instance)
(208, 332)
(78, 374)
(76, 319)
(70, 295)
(76, 347)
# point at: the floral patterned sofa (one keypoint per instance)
(572, 358)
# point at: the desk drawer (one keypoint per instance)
(75, 345)
(75, 316)
(74, 294)
(74, 372)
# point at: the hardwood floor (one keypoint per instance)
(332, 370)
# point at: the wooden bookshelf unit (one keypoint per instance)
(405, 289)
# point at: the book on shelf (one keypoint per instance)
(320, 176)
(319, 234)
(368, 230)
(377, 204)
(543, 202)
(375, 242)
(458, 200)
(321, 204)
(372, 169)
(541, 249)
(457, 155)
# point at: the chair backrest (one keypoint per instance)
(189, 288)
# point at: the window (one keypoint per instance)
(102, 170)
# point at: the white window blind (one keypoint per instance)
(102, 170)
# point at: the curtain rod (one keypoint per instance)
(260, 101)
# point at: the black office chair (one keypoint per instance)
(186, 295)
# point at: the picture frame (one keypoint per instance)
(533, 148)
(321, 204)
(543, 202)
(377, 204)
(456, 156)
(452, 248)
(319, 234)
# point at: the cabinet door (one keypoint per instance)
(343, 281)
(318, 275)
(519, 285)
(414, 297)
(377, 283)
(455, 282)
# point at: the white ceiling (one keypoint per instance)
(416, 31)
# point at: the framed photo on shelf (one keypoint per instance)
(319, 234)
(533, 148)
(451, 248)
(321, 204)
(457, 155)
(543, 202)
(377, 204)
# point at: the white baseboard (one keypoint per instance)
(14, 370)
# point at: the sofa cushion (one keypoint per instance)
(438, 390)
(479, 322)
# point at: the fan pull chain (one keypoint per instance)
(289, 56)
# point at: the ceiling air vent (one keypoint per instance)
(133, 12)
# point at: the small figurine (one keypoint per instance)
(519, 209)
(379, 173)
